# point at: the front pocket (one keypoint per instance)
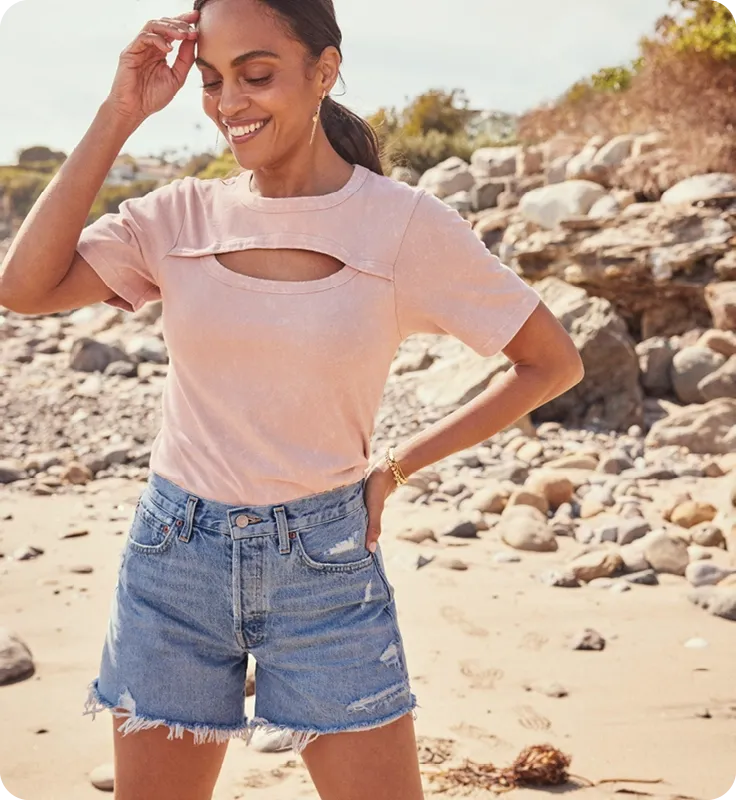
(151, 531)
(337, 545)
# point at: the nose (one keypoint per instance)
(232, 100)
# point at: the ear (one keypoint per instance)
(328, 68)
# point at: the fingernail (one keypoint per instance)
(372, 547)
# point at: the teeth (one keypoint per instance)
(245, 129)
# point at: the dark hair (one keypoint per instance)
(314, 24)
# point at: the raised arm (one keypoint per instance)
(42, 271)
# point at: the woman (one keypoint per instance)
(286, 291)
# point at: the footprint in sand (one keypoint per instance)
(530, 719)
(477, 733)
(533, 641)
(480, 678)
(456, 617)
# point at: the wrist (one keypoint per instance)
(122, 123)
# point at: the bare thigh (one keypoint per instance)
(148, 766)
(379, 764)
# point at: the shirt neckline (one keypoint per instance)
(307, 203)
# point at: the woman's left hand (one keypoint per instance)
(379, 484)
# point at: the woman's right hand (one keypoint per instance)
(144, 82)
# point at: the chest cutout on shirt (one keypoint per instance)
(281, 264)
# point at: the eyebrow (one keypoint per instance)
(236, 62)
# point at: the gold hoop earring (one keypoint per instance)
(315, 118)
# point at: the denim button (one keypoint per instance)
(241, 521)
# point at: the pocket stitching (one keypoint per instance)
(150, 549)
(351, 566)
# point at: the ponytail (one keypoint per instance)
(351, 136)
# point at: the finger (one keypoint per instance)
(184, 61)
(153, 39)
(182, 25)
(168, 30)
(374, 531)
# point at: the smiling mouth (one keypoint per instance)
(243, 133)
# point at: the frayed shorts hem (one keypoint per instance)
(203, 734)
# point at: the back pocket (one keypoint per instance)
(152, 530)
(337, 545)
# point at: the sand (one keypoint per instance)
(475, 640)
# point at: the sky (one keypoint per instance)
(58, 59)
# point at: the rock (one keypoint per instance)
(632, 530)
(606, 348)
(527, 532)
(485, 194)
(27, 552)
(596, 564)
(655, 362)
(557, 170)
(267, 740)
(555, 488)
(81, 569)
(548, 688)
(77, 474)
(418, 536)
(689, 367)
(462, 530)
(615, 464)
(494, 162)
(523, 497)
(666, 554)
(16, 662)
(456, 564)
(646, 143)
(147, 348)
(557, 579)
(647, 577)
(588, 639)
(573, 462)
(462, 202)
(103, 777)
(505, 557)
(11, 470)
(89, 355)
(452, 382)
(411, 362)
(721, 383)
(723, 342)
(706, 534)
(406, 175)
(529, 161)
(634, 558)
(615, 152)
(491, 500)
(697, 553)
(700, 187)
(549, 205)
(450, 176)
(692, 512)
(710, 428)
(122, 369)
(705, 573)
(607, 206)
(721, 602)
(697, 644)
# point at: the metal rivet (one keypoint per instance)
(241, 521)
(166, 528)
(179, 522)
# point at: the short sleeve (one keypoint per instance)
(447, 281)
(126, 247)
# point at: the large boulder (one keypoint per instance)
(549, 205)
(450, 176)
(609, 395)
(615, 152)
(721, 383)
(710, 428)
(700, 187)
(689, 366)
(721, 300)
(494, 162)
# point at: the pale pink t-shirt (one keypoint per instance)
(273, 386)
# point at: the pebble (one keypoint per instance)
(462, 530)
(81, 569)
(647, 577)
(418, 536)
(696, 644)
(559, 579)
(16, 661)
(26, 553)
(504, 557)
(103, 777)
(588, 639)
(73, 534)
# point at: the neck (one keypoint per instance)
(311, 171)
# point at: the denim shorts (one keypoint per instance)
(202, 585)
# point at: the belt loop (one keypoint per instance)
(186, 534)
(283, 528)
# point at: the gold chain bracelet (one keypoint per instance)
(398, 474)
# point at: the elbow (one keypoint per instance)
(576, 370)
(12, 301)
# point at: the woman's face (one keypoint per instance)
(260, 86)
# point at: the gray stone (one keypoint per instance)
(710, 428)
(655, 362)
(16, 661)
(721, 602)
(689, 367)
(89, 355)
(700, 187)
(647, 577)
(588, 639)
(103, 777)
(666, 554)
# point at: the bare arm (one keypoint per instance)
(42, 272)
(545, 365)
